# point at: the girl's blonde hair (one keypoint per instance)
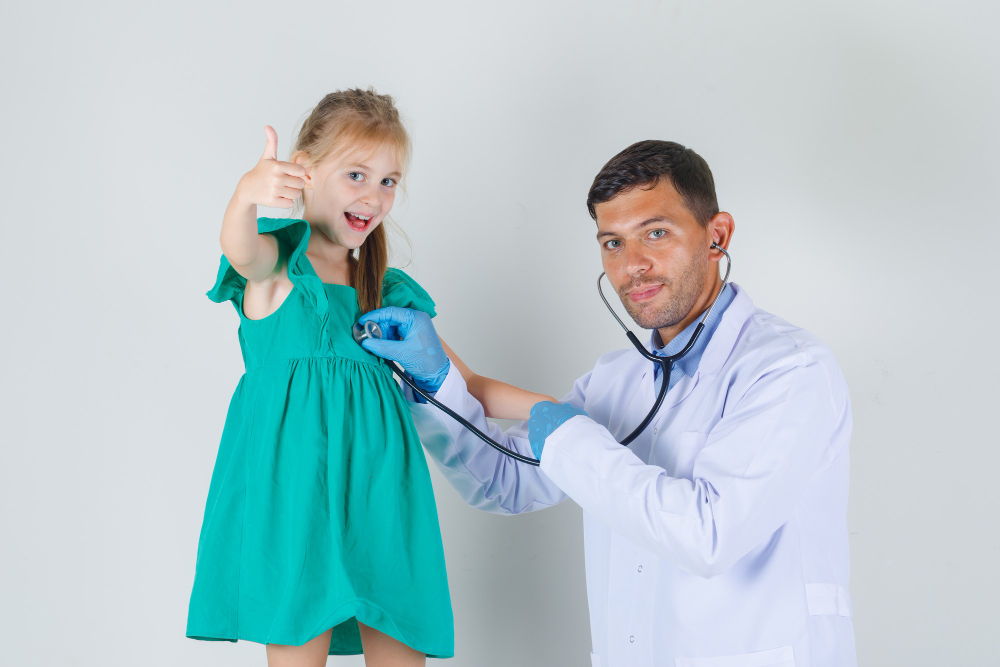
(349, 120)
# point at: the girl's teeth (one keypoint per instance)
(357, 221)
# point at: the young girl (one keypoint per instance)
(320, 533)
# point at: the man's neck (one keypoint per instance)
(703, 303)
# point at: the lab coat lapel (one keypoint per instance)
(638, 393)
(632, 404)
(639, 401)
(726, 335)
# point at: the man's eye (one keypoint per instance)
(613, 244)
(388, 182)
(356, 176)
(657, 233)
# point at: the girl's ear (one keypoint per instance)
(300, 158)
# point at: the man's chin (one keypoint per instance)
(648, 314)
(651, 318)
(645, 320)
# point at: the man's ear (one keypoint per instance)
(720, 231)
(300, 158)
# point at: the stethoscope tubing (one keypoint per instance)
(460, 419)
(666, 365)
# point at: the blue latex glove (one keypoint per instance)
(411, 341)
(546, 417)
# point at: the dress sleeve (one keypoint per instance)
(293, 239)
(399, 289)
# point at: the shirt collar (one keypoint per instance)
(688, 364)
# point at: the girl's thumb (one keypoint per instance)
(271, 148)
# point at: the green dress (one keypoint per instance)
(320, 512)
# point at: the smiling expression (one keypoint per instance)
(655, 253)
(351, 194)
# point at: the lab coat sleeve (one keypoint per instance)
(485, 478)
(757, 461)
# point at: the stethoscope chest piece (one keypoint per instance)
(371, 330)
(367, 330)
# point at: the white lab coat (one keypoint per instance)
(718, 538)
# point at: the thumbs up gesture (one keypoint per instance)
(272, 182)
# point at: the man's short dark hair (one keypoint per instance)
(644, 163)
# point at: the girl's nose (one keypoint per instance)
(372, 197)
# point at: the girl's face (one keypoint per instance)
(350, 194)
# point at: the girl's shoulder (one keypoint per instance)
(292, 236)
(399, 289)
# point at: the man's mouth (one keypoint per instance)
(358, 222)
(644, 293)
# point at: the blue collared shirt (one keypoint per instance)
(688, 364)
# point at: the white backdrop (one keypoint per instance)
(854, 143)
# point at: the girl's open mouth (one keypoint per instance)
(357, 222)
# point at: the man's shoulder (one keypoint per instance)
(777, 338)
(772, 347)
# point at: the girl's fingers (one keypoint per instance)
(291, 182)
(287, 168)
(293, 169)
(275, 183)
(289, 193)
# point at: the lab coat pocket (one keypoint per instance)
(678, 458)
(595, 660)
(778, 657)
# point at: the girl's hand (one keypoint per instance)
(271, 182)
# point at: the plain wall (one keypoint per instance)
(855, 144)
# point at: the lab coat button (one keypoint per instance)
(655, 429)
(631, 640)
(640, 568)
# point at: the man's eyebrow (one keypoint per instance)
(651, 221)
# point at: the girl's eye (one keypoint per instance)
(388, 182)
(356, 176)
(613, 244)
(657, 233)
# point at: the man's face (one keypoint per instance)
(655, 253)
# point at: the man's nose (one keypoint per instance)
(635, 260)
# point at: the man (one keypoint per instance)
(718, 537)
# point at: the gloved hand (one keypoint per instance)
(546, 417)
(411, 342)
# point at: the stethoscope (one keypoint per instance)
(666, 363)
(372, 330)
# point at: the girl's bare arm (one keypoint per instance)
(270, 183)
(499, 399)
